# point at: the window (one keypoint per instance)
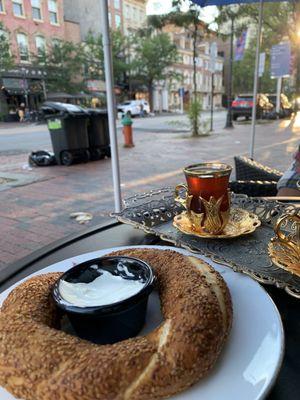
(36, 9)
(117, 4)
(109, 18)
(117, 21)
(56, 42)
(18, 8)
(127, 11)
(40, 43)
(52, 7)
(22, 41)
(2, 10)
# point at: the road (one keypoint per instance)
(24, 138)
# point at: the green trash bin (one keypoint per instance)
(98, 133)
(68, 131)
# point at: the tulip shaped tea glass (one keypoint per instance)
(206, 197)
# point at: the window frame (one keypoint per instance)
(2, 2)
(19, 48)
(41, 19)
(21, 4)
(51, 12)
(38, 47)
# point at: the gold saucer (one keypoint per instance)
(284, 256)
(241, 222)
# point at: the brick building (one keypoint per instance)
(31, 26)
(166, 96)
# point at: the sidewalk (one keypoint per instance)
(35, 207)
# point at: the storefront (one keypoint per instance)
(21, 87)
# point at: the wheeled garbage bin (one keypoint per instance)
(98, 133)
(69, 136)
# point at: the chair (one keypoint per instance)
(254, 188)
(249, 170)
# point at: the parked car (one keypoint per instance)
(134, 107)
(243, 103)
(286, 108)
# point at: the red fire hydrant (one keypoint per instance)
(127, 131)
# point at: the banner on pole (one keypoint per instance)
(213, 56)
(280, 60)
(240, 46)
(261, 66)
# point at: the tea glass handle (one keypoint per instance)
(178, 198)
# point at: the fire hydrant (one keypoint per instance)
(127, 130)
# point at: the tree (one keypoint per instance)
(243, 74)
(94, 56)
(154, 55)
(191, 22)
(6, 59)
(62, 63)
(281, 21)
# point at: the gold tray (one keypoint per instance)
(241, 222)
(284, 257)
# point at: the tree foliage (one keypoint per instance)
(153, 57)
(191, 22)
(6, 59)
(281, 21)
(62, 63)
(94, 56)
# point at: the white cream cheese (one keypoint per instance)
(105, 289)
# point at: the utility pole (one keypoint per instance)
(229, 123)
(111, 105)
(212, 103)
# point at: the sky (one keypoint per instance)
(163, 6)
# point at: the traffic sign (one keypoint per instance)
(261, 67)
(280, 60)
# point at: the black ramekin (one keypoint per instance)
(113, 322)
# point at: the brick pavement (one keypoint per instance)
(34, 215)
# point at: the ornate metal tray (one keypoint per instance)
(153, 212)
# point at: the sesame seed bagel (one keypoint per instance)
(40, 362)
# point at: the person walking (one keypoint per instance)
(21, 113)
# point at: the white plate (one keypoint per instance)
(252, 357)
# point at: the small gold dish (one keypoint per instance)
(241, 222)
(284, 248)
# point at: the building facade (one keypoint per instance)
(88, 14)
(134, 15)
(167, 96)
(126, 15)
(30, 26)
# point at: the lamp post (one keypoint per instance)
(229, 124)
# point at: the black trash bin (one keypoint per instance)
(68, 129)
(98, 133)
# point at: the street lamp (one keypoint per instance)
(232, 12)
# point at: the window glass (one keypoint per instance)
(18, 8)
(117, 4)
(1, 5)
(117, 21)
(36, 9)
(56, 42)
(40, 43)
(22, 41)
(52, 7)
